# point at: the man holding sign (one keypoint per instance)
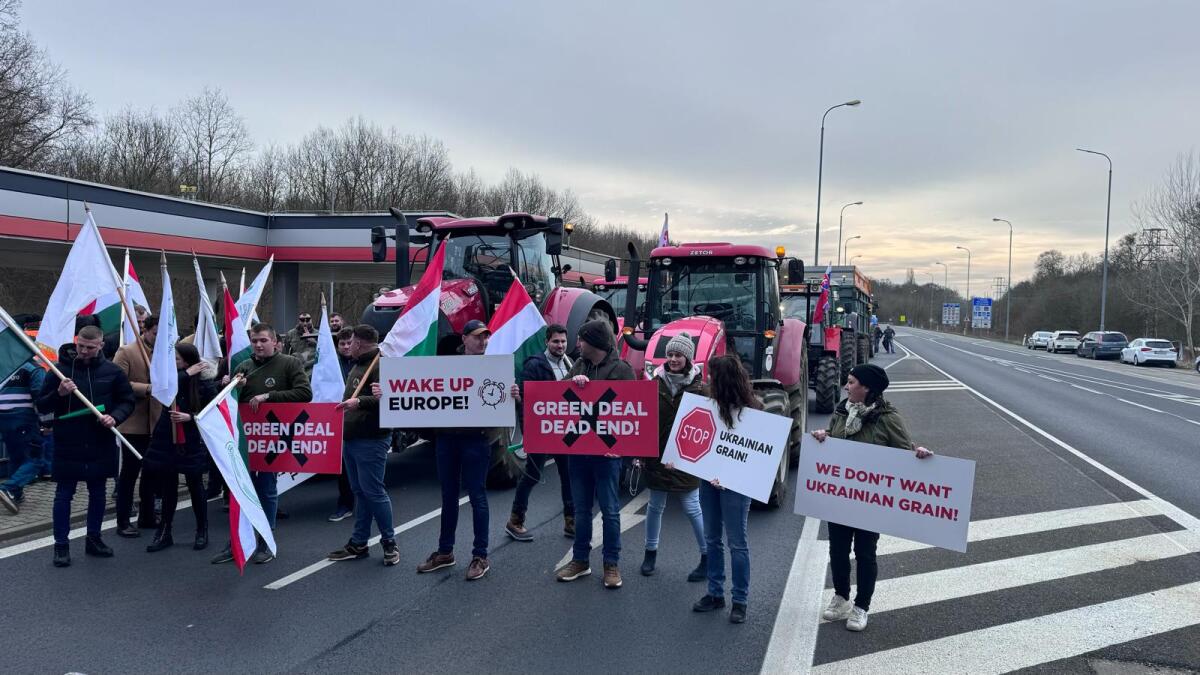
(863, 417)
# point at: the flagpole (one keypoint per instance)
(124, 307)
(124, 303)
(37, 354)
(236, 381)
(367, 374)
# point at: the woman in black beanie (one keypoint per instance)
(865, 417)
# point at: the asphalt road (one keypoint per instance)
(1083, 550)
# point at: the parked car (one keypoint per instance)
(1039, 340)
(1144, 351)
(1063, 341)
(1104, 345)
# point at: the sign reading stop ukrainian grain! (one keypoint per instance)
(744, 458)
(603, 417)
(293, 437)
(446, 392)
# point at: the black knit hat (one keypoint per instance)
(871, 376)
(597, 333)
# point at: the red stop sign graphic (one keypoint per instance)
(695, 435)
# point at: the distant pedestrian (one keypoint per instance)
(364, 453)
(463, 458)
(19, 429)
(551, 365)
(85, 449)
(177, 448)
(889, 335)
(726, 512)
(865, 417)
(132, 359)
(595, 477)
(676, 377)
(877, 336)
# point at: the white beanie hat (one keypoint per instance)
(682, 343)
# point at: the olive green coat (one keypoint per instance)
(659, 477)
(881, 426)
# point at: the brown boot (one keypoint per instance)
(569, 527)
(516, 527)
(573, 570)
(612, 576)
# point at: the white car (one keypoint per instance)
(1143, 351)
(1039, 340)
(1063, 341)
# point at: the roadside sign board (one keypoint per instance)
(886, 490)
(446, 392)
(981, 312)
(603, 417)
(950, 314)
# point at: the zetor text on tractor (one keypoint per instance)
(726, 297)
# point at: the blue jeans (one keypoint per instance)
(462, 461)
(266, 487)
(64, 493)
(533, 475)
(728, 510)
(22, 443)
(365, 461)
(594, 478)
(654, 514)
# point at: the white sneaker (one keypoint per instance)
(857, 620)
(839, 608)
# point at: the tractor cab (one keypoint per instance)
(482, 254)
(616, 291)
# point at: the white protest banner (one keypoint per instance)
(446, 391)
(743, 458)
(886, 490)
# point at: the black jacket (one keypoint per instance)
(659, 477)
(83, 449)
(192, 456)
(611, 368)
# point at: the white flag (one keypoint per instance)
(134, 296)
(164, 378)
(248, 300)
(207, 341)
(87, 284)
(664, 238)
(327, 382)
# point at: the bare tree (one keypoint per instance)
(140, 150)
(264, 184)
(38, 110)
(214, 143)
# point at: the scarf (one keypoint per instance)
(677, 381)
(854, 416)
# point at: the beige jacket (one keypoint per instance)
(146, 409)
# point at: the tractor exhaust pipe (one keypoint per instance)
(631, 295)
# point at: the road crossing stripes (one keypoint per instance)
(903, 386)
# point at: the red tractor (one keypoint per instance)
(481, 255)
(726, 297)
(616, 292)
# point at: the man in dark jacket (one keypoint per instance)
(84, 446)
(345, 500)
(271, 377)
(551, 365)
(132, 360)
(364, 453)
(595, 477)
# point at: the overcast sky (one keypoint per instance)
(711, 110)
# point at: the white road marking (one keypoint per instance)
(1010, 526)
(34, 544)
(1089, 390)
(629, 518)
(1022, 644)
(908, 389)
(1047, 377)
(322, 564)
(794, 636)
(997, 575)
(1122, 400)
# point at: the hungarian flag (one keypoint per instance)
(248, 299)
(221, 431)
(14, 351)
(416, 331)
(164, 378)
(823, 300)
(207, 342)
(664, 236)
(134, 296)
(87, 285)
(237, 342)
(517, 327)
(327, 383)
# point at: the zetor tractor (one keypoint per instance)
(843, 340)
(726, 297)
(481, 254)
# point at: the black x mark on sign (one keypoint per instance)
(286, 436)
(608, 397)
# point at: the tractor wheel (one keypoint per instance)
(863, 355)
(798, 402)
(827, 384)
(848, 356)
(775, 401)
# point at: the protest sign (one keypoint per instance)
(603, 417)
(293, 437)
(886, 490)
(743, 458)
(447, 391)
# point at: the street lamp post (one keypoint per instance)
(820, 170)
(1107, 215)
(972, 323)
(931, 285)
(945, 285)
(841, 216)
(857, 255)
(1008, 294)
(857, 236)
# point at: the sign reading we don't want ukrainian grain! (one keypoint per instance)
(446, 392)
